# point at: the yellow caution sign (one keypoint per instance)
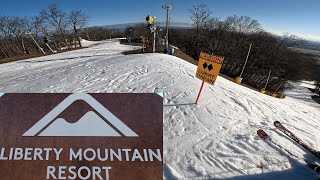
(209, 67)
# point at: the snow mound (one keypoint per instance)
(86, 43)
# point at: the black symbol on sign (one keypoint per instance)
(205, 65)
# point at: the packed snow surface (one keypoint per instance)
(212, 140)
(308, 84)
(300, 91)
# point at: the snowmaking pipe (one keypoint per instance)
(41, 49)
(267, 80)
(279, 86)
(239, 79)
(274, 94)
(263, 90)
(245, 63)
(49, 48)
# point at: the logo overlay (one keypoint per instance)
(81, 136)
(84, 126)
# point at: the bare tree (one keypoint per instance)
(215, 34)
(78, 20)
(243, 24)
(57, 19)
(291, 40)
(17, 28)
(9, 44)
(137, 30)
(34, 25)
(200, 14)
(3, 45)
(2, 36)
(40, 25)
(51, 21)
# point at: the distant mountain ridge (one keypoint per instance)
(162, 24)
(312, 45)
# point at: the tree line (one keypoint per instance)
(232, 37)
(61, 29)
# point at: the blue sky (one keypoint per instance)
(300, 17)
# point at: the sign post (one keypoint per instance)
(200, 92)
(208, 69)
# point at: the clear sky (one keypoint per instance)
(301, 17)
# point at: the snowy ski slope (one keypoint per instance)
(213, 140)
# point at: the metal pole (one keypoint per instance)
(267, 80)
(87, 34)
(199, 92)
(167, 30)
(245, 63)
(167, 7)
(37, 44)
(143, 44)
(279, 87)
(49, 48)
(154, 42)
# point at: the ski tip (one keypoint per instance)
(260, 131)
(277, 123)
(263, 135)
(313, 166)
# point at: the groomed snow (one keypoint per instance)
(300, 91)
(215, 139)
(308, 84)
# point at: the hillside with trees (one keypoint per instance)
(19, 36)
(232, 37)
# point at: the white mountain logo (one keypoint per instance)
(89, 124)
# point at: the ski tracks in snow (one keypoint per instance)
(215, 139)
